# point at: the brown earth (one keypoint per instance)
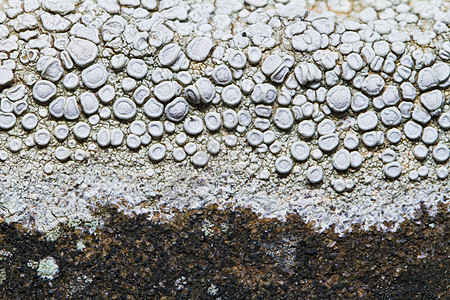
(212, 254)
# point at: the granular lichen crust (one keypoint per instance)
(48, 268)
(337, 111)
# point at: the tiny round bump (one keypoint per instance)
(94, 76)
(89, 103)
(367, 121)
(190, 148)
(412, 130)
(104, 137)
(222, 75)
(43, 91)
(175, 110)
(178, 154)
(442, 172)
(306, 129)
(62, 153)
(370, 139)
(230, 119)
(124, 109)
(284, 165)
(339, 98)
(394, 135)
(157, 152)
(373, 85)
(42, 137)
(71, 81)
(29, 121)
(138, 128)
(231, 95)
(213, 147)
(156, 129)
(326, 127)
(444, 121)
(200, 159)
(255, 137)
(351, 141)
(283, 118)
(356, 159)
(3, 155)
(106, 94)
(81, 130)
(339, 185)
(61, 132)
(413, 175)
(137, 68)
(429, 135)
(441, 153)
(199, 48)
(164, 91)
(254, 55)
(133, 142)
(116, 137)
(15, 145)
(388, 156)
(300, 151)
(341, 160)
(317, 154)
(141, 94)
(193, 125)
(392, 170)
(213, 121)
(231, 140)
(314, 174)
(423, 171)
(328, 142)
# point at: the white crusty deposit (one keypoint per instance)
(335, 110)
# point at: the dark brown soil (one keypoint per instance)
(211, 254)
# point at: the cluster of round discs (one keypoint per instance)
(178, 79)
